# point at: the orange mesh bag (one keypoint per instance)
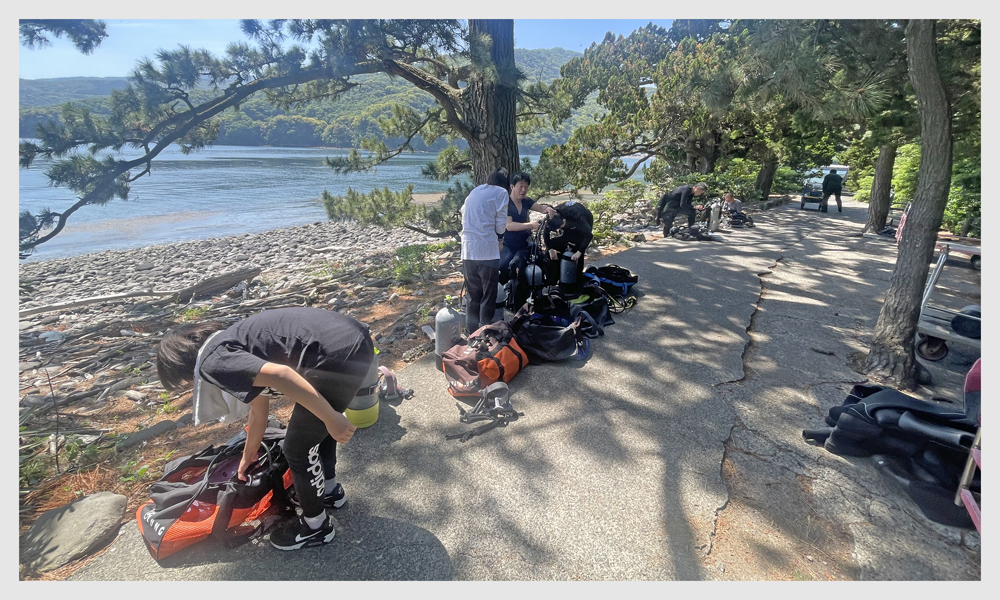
(200, 496)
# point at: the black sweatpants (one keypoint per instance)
(671, 212)
(826, 197)
(481, 280)
(308, 446)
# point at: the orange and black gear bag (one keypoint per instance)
(491, 354)
(200, 496)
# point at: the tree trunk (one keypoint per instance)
(765, 177)
(891, 355)
(967, 226)
(878, 205)
(490, 103)
(708, 152)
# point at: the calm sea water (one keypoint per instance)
(220, 191)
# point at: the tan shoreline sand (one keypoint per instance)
(437, 197)
(428, 198)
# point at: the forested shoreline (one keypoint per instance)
(340, 124)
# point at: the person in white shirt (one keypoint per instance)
(484, 222)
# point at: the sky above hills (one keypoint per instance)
(129, 40)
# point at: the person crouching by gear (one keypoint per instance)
(732, 205)
(677, 201)
(316, 358)
(571, 229)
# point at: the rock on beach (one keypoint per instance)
(281, 252)
(104, 345)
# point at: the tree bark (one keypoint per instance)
(891, 354)
(765, 177)
(967, 226)
(490, 103)
(878, 205)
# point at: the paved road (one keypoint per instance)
(615, 471)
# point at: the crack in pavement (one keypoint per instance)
(747, 372)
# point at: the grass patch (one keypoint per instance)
(194, 313)
(328, 270)
(410, 262)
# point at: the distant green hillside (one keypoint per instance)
(46, 92)
(339, 124)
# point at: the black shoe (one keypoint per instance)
(296, 534)
(840, 210)
(335, 499)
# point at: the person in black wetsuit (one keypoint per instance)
(572, 229)
(677, 201)
(314, 357)
(517, 238)
(833, 184)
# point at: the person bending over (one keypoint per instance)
(677, 201)
(570, 229)
(513, 256)
(316, 358)
(484, 222)
(833, 184)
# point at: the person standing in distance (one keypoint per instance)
(316, 358)
(484, 222)
(677, 201)
(832, 186)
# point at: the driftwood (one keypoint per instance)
(77, 303)
(205, 286)
(218, 283)
(327, 249)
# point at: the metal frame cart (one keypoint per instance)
(934, 324)
(964, 496)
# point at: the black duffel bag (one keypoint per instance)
(561, 310)
(550, 337)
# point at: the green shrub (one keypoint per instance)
(410, 262)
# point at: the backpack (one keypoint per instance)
(489, 355)
(617, 281)
(741, 220)
(593, 300)
(199, 496)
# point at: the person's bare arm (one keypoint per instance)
(256, 424)
(514, 226)
(294, 387)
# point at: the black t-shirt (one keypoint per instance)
(833, 183)
(327, 348)
(515, 240)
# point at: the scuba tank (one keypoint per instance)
(567, 268)
(363, 410)
(534, 275)
(501, 300)
(715, 216)
(447, 327)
